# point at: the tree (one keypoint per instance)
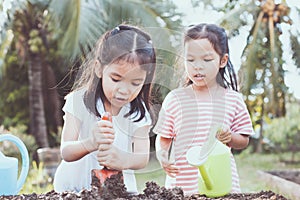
(82, 22)
(30, 42)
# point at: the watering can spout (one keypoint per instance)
(206, 178)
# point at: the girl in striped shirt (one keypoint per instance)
(210, 98)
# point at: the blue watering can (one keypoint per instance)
(10, 183)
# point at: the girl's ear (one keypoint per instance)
(224, 61)
(98, 69)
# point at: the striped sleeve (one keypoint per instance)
(242, 122)
(165, 123)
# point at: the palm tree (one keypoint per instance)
(34, 44)
(75, 27)
(27, 29)
(82, 22)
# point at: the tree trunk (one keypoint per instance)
(259, 147)
(38, 125)
(52, 101)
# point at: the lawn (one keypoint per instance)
(249, 164)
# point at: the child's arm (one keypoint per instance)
(71, 148)
(233, 140)
(162, 146)
(141, 148)
(115, 158)
(237, 135)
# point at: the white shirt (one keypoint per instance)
(75, 176)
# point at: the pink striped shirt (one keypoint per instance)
(188, 120)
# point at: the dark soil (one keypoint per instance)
(114, 188)
(293, 176)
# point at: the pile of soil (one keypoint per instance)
(113, 188)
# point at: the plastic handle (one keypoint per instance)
(2, 156)
(107, 116)
(25, 158)
(207, 180)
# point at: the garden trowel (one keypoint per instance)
(105, 172)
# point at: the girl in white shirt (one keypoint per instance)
(116, 78)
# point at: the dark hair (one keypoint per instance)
(217, 37)
(123, 43)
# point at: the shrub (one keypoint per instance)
(284, 132)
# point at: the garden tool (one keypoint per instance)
(213, 162)
(10, 183)
(105, 172)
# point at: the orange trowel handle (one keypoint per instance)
(103, 174)
(106, 116)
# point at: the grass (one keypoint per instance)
(37, 180)
(248, 165)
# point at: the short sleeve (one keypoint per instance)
(74, 104)
(166, 118)
(242, 122)
(146, 121)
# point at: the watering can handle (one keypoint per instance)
(25, 158)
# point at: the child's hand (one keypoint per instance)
(110, 156)
(103, 133)
(168, 165)
(224, 135)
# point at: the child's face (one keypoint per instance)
(121, 82)
(202, 62)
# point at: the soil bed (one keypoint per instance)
(113, 188)
(285, 182)
(293, 176)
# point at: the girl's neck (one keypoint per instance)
(109, 108)
(207, 92)
(206, 88)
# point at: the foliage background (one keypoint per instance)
(44, 42)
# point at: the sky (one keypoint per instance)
(195, 15)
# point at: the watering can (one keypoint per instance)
(10, 183)
(214, 164)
